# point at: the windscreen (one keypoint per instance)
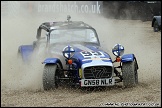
(73, 35)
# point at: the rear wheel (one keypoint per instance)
(50, 77)
(130, 74)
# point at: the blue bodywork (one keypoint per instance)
(51, 60)
(86, 58)
(83, 55)
(79, 57)
(25, 51)
(127, 58)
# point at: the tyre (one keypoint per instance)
(130, 74)
(156, 26)
(50, 77)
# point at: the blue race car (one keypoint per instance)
(73, 56)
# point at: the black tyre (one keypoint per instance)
(130, 74)
(156, 26)
(50, 77)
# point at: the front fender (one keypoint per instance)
(52, 61)
(127, 57)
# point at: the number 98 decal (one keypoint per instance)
(86, 54)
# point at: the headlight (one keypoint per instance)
(118, 50)
(68, 52)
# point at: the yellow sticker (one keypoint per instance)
(80, 73)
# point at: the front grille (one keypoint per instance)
(96, 72)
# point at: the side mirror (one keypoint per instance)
(118, 50)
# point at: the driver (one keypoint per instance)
(92, 38)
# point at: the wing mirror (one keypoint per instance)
(118, 50)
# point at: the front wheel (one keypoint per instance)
(130, 74)
(50, 77)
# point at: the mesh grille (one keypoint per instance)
(96, 72)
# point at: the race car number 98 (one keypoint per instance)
(91, 54)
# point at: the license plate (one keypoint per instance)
(98, 82)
